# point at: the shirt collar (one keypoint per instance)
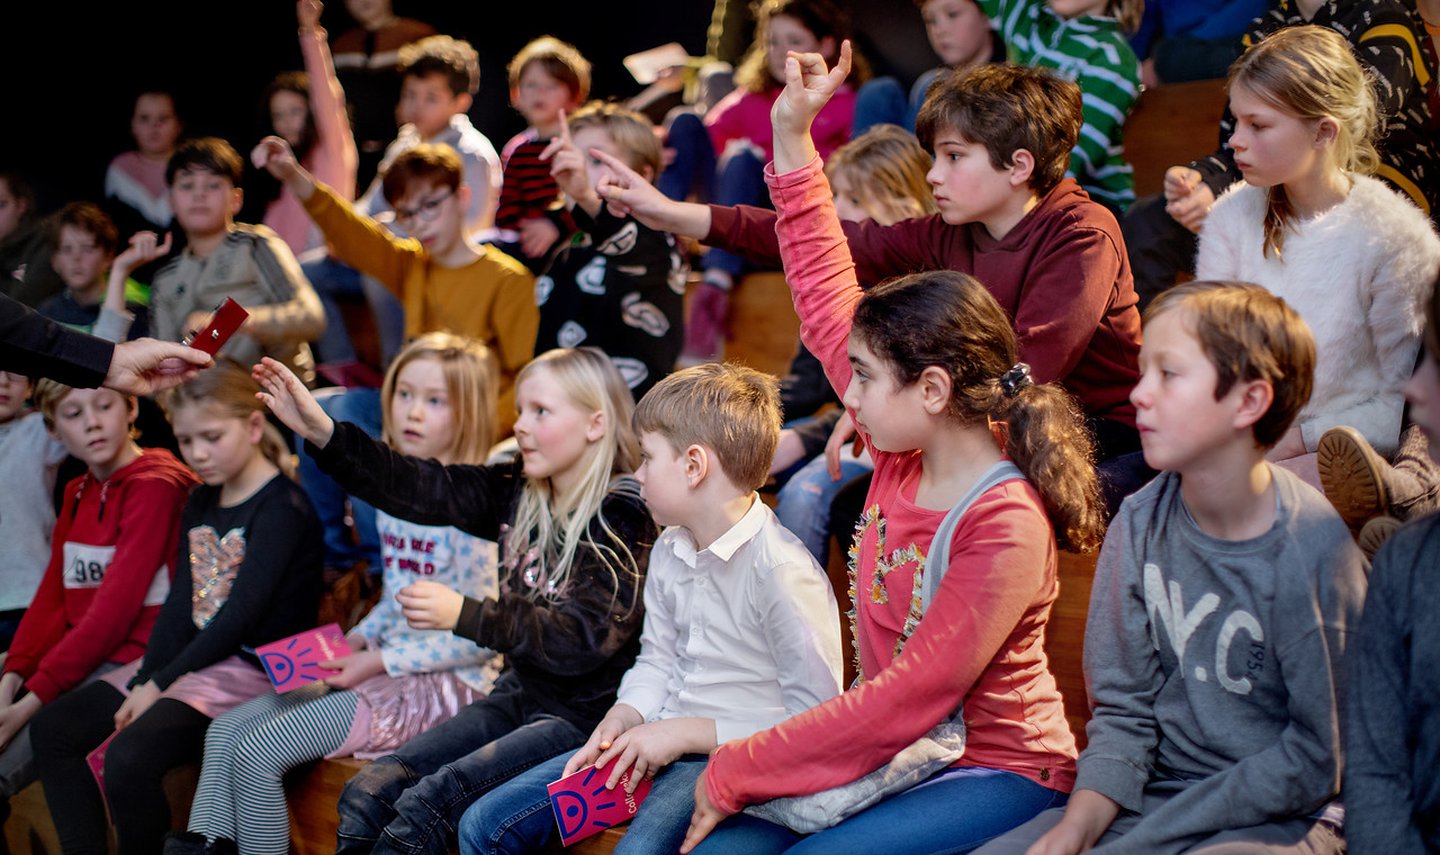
(727, 544)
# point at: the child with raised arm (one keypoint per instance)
(740, 622)
(223, 259)
(96, 298)
(574, 541)
(248, 573)
(439, 404)
(615, 284)
(927, 363)
(1218, 621)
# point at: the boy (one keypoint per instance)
(547, 77)
(29, 459)
(1393, 724)
(84, 258)
(741, 629)
(109, 566)
(1221, 602)
(223, 258)
(440, 275)
(1001, 136)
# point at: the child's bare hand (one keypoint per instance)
(537, 235)
(808, 86)
(351, 671)
(629, 194)
(1179, 181)
(835, 445)
(704, 819)
(1063, 839)
(430, 605)
(274, 155)
(567, 163)
(141, 699)
(619, 719)
(650, 747)
(144, 248)
(307, 12)
(291, 402)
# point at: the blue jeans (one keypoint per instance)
(361, 407)
(517, 817)
(956, 810)
(739, 180)
(411, 801)
(882, 101)
(803, 504)
(692, 170)
(332, 278)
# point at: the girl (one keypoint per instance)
(927, 365)
(249, 562)
(574, 543)
(738, 134)
(1310, 224)
(439, 404)
(307, 109)
(136, 196)
(880, 176)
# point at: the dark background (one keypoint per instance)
(69, 71)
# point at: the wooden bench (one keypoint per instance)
(1172, 125)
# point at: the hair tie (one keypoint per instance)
(1017, 378)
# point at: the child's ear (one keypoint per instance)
(237, 198)
(462, 197)
(514, 95)
(935, 388)
(697, 465)
(1256, 397)
(595, 430)
(1327, 130)
(255, 427)
(463, 102)
(1022, 166)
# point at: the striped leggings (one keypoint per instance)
(247, 753)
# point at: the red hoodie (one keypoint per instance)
(111, 560)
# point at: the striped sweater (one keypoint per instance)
(1091, 51)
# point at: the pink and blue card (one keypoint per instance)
(584, 807)
(293, 662)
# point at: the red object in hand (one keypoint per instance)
(223, 324)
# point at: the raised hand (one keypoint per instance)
(808, 87)
(567, 163)
(307, 12)
(291, 402)
(629, 194)
(274, 155)
(144, 248)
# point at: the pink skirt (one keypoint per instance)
(213, 690)
(394, 710)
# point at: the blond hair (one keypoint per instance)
(729, 408)
(471, 378)
(631, 132)
(555, 526)
(229, 389)
(1311, 73)
(886, 168)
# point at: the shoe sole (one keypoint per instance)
(1374, 534)
(1350, 473)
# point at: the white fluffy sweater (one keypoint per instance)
(1358, 274)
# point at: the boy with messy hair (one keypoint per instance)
(223, 258)
(1001, 136)
(1222, 600)
(741, 627)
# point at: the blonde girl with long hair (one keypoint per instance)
(574, 540)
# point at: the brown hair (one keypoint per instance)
(205, 154)
(560, 60)
(432, 165)
(471, 377)
(229, 389)
(88, 218)
(453, 58)
(1248, 334)
(1006, 108)
(886, 167)
(729, 408)
(822, 18)
(1311, 73)
(949, 320)
(632, 133)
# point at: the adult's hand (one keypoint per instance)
(146, 366)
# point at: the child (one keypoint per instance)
(929, 365)
(1390, 728)
(1084, 41)
(1213, 649)
(739, 136)
(616, 284)
(439, 404)
(136, 182)
(307, 109)
(248, 574)
(574, 543)
(960, 35)
(1051, 256)
(548, 78)
(1309, 224)
(223, 258)
(25, 272)
(740, 622)
(95, 295)
(444, 279)
(29, 458)
(1182, 40)
(108, 569)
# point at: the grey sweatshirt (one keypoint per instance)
(1392, 791)
(1219, 663)
(29, 456)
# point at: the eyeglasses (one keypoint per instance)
(425, 212)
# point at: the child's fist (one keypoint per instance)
(273, 154)
(430, 605)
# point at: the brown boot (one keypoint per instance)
(1353, 476)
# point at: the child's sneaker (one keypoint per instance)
(1353, 476)
(1374, 534)
(705, 327)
